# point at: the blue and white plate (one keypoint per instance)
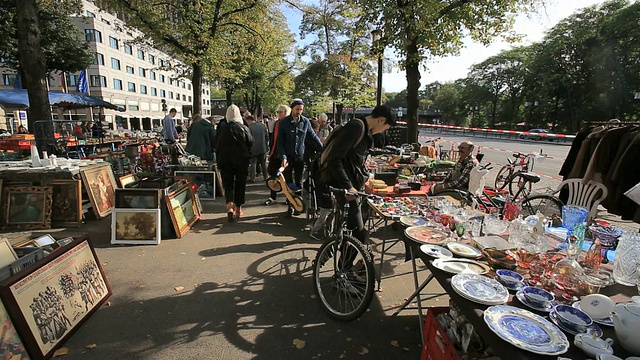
(536, 307)
(608, 321)
(480, 289)
(593, 329)
(526, 330)
(510, 287)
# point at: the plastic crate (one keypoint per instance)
(436, 345)
(18, 265)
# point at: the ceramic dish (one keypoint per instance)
(526, 330)
(436, 251)
(593, 329)
(426, 235)
(412, 220)
(457, 266)
(520, 296)
(608, 321)
(508, 277)
(512, 287)
(480, 289)
(464, 250)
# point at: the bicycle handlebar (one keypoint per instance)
(344, 192)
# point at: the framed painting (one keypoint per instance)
(219, 180)
(47, 242)
(138, 198)
(66, 208)
(28, 207)
(11, 346)
(135, 226)
(7, 254)
(127, 180)
(183, 209)
(100, 185)
(65, 241)
(204, 181)
(70, 282)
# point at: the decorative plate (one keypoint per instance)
(426, 235)
(457, 266)
(436, 251)
(592, 329)
(480, 289)
(608, 321)
(464, 250)
(526, 330)
(412, 220)
(536, 307)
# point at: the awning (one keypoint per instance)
(20, 98)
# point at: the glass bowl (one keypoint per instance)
(607, 235)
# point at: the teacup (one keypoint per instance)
(538, 297)
(572, 318)
(508, 277)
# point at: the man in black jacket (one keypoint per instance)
(342, 160)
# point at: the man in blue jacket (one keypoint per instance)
(292, 133)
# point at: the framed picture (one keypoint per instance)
(101, 186)
(28, 207)
(183, 209)
(135, 226)
(47, 242)
(64, 242)
(138, 198)
(11, 346)
(66, 209)
(219, 180)
(127, 180)
(7, 254)
(70, 282)
(204, 181)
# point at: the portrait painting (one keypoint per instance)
(67, 202)
(100, 185)
(138, 198)
(135, 226)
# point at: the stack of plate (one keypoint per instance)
(480, 289)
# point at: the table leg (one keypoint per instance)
(384, 250)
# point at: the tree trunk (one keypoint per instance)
(338, 115)
(413, 86)
(229, 94)
(33, 65)
(196, 82)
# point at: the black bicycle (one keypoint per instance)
(343, 270)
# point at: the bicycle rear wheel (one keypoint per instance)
(502, 177)
(343, 278)
(516, 181)
(547, 205)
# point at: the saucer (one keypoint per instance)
(525, 302)
(608, 321)
(592, 329)
(515, 287)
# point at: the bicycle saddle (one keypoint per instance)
(530, 177)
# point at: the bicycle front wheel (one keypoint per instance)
(502, 177)
(343, 278)
(547, 205)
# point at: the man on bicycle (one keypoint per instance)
(458, 179)
(343, 158)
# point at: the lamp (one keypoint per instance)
(376, 35)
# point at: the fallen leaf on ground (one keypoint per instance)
(405, 349)
(61, 352)
(343, 356)
(236, 298)
(313, 296)
(178, 288)
(91, 346)
(108, 303)
(348, 339)
(141, 286)
(299, 343)
(394, 343)
(364, 351)
(183, 253)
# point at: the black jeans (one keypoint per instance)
(293, 172)
(234, 180)
(354, 218)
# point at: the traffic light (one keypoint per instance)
(164, 105)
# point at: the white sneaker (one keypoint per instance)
(270, 201)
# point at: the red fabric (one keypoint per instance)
(275, 137)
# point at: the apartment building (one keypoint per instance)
(126, 74)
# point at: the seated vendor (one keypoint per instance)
(459, 178)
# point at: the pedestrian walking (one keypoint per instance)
(259, 149)
(233, 151)
(201, 138)
(325, 128)
(274, 161)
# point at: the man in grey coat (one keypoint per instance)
(259, 148)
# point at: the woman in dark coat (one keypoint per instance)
(233, 152)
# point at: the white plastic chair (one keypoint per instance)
(585, 195)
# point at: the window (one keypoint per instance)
(189, 86)
(90, 14)
(130, 69)
(177, 96)
(140, 54)
(9, 79)
(163, 93)
(204, 102)
(160, 62)
(152, 75)
(207, 102)
(142, 72)
(152, 59)
(207, 92)
(99, 60)
(134, 107)
(131, 87)
(183, 84)
(170, 94)
(184, 97)
(72, 80)
(189, 98)
(113, 42)
(92, 35)
(143, 89)
(128, 49)
(117, 84)
(161, 78)
(154, 91)
(170, 81)
(105, 21)
(115, 63)
(98, 81)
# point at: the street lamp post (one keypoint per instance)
(376, 35)
(474, 110)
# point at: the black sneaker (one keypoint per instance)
(270, 201)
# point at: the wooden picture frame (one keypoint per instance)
(100, 185)
(65, 241)
(7, 254)
(136, 226)
(66, 208)
(219, 179)
(28, 208)
(10, 338)
(138, 198)
(47, 242)
(71, 281)
(183, 209)
(204, 181)
(127, 180)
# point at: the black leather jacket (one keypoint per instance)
(233, 143)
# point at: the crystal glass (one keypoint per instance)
(493, 224)
(475, 225)
(572, 215)
(537, 269)
(568, 275)
(573, 246)
(625, 264)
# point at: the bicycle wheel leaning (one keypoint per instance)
(503, 175)
(343, 278)
(516, 181)
(547, 205)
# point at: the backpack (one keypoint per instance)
(323, 164)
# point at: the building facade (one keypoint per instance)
(135, 77)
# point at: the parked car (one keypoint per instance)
(534, 134)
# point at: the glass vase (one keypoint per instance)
(627, 259)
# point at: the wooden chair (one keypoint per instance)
(584, 195)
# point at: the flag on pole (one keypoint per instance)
(82, 85)
(63, 82)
